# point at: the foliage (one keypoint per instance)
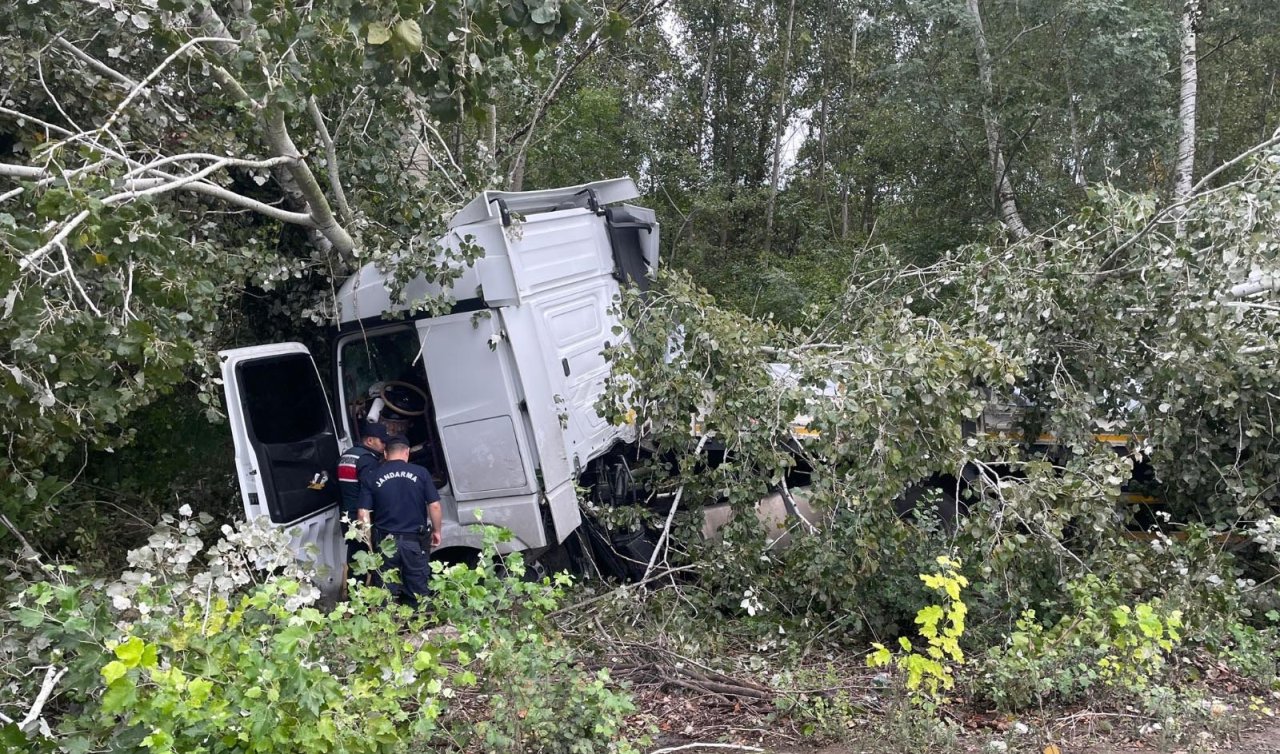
(882, 398)
(1102, 642)
(163, 159)
(534, 696)
(929, 674)
(226, 649)
(1129, 326)
(596, 133)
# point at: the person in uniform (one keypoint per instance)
(352, 466)
(400, 501)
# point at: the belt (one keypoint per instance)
(384, 533)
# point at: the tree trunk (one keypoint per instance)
(515, 181)
(459, 144)
(702, 101)
(1265, 105)
(1185, 170)
(493, 130)
(783, 89)
(727, 116)
(844, 212)
(822, 145)
(1006, 199)
(868, 207)
(1077, 137)
(1077, 143)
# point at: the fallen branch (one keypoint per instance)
(51, 679)
(1104, 269)
(95, 64)
(146, 82)
(692, 747)
(726, 687)
(659, 667)
(28, 551)
(671, 514)
(10, 170)
(330, 160)
(624, 587)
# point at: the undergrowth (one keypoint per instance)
(227, 648)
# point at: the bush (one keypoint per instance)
(1103, 643)
(237, 655)
(930, 673)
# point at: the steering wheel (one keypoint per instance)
(385, 394)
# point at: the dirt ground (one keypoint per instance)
(1234, 715)
(1264, 740)
(1242, 737)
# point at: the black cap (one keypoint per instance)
(395, 440)
(374, 429)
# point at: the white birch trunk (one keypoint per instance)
(1185, 170)
(1006, 199)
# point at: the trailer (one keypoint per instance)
(497, 395)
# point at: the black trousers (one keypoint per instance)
(413, 563)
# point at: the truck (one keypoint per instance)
(497, 395)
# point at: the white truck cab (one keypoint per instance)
(497, 396)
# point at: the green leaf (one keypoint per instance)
(409, 36)
(29, 618)
(121, 694)
(13, 738)
(130, 652)
(377, 34)
(616, 26)
(545, 14)
(158, 741)
(114, 671)
(149, 656)
(198, 691)
(288, 639)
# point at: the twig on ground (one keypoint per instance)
(612, 592)
(693, 747)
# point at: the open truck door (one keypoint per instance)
(488, 437)
(287, 449)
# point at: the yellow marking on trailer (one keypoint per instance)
(1049, 439)
(1118, 439)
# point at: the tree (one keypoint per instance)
(162, 157)
(1184, 173)
(610, 26)
(1137, 317)
(781, 118)
(1005, 198)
